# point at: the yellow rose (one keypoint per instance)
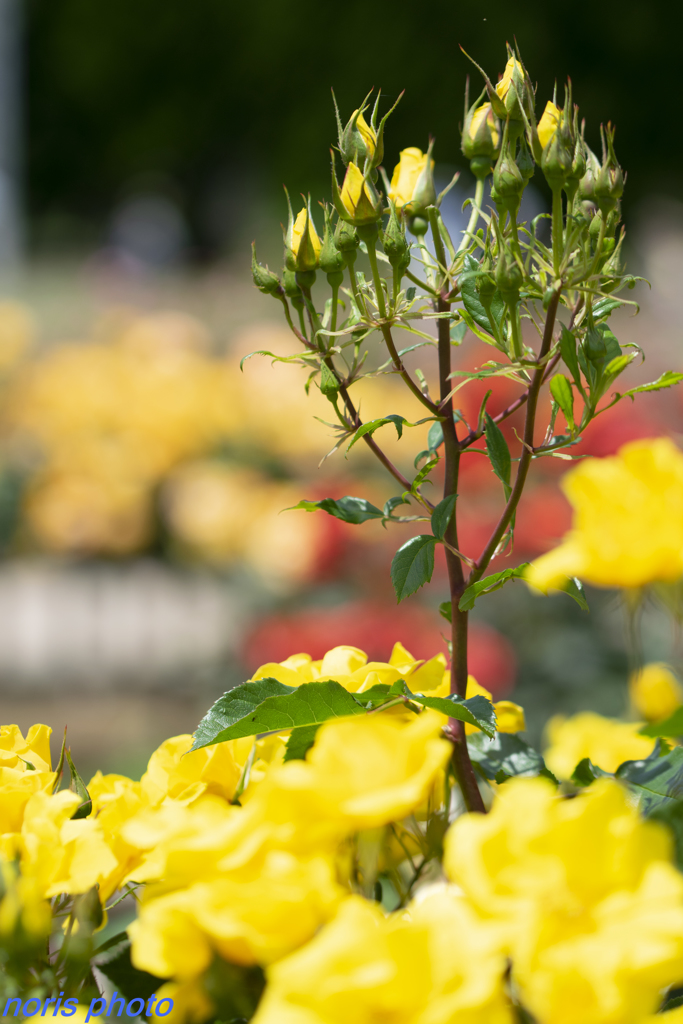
(175, 773)
(512, 69)
(25, 754)
(655, 691)
(549, 123)
(627, 529)
(350, 667)
(484, 121)
(258, 914)
(434, 963)
(509, 716)
(566, 880)
(606, 741)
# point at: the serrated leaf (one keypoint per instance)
(667, 380)
(505, 754)
(569, 354)
(442, 515)
(373, 425)
(671, 726)
(498, 453)
(562, 392)
(471, 300)
(329, 385)
(412, 565)
(112, 958)
(235, 705)
(574, 587)
(618, 365)
(423, 473)
(488, 584)
(308, 704)
(300, 742)
(477, 711)
(348, 509)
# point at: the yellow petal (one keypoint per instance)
(406, 173)
(549, 123)
(509, 716)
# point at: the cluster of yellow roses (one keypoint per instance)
(569, 907)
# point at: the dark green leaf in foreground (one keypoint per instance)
(498, 453)
(586, 772)
(657, 781)
(308, 704)
(486, 586)
(671, 726)
(300, 742)
(348, 509)
(413, 565)
(240, 713)
(505, 755)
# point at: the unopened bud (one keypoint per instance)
(508, 279)
(358, 141)
(358, 202)
(346, 240)
(395, 243)
(480, 138)
(303, 243)
(331, 260)
(264, 279)
(609, 184)
(508, 181)
(525, 161)
(587, 185)
(515, 96)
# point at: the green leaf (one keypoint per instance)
(442, 515)
(300, 742)
(392, 504)
(412, 565)
(471, 300)
(373, 425)
(618, 365)
(112, 958)
(458, 332)
(423, 473)
(308, 704)
(562, 392)
(586, 772)
(79, 787)
(348, 509)
(235, 705)
(657, 781)
(568, 351)
(410, 293)
(487, 585)
(477, 711)
(435, 436)
(604, 307)
(667, 380)
(446, 610)
(671, 726)
(498, 453)
(574, 587)
(505, 755)
(329, 385)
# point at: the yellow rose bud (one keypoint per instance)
(411, 183)
(359, 198)
(368, 134)
(655, 691)
(549, 123)
(503, 86)
(304, 242)
(484, 115)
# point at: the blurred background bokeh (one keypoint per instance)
(146, 561)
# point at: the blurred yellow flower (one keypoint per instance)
(434, 963)
(350, 667)
(17, 332)
(606, 741)
(25, 754)
(627, 529)
(509, 716)
(551, 120)
(412, 162)
(174, 773)
(24, 911)
(655, 691)
(586, 895)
